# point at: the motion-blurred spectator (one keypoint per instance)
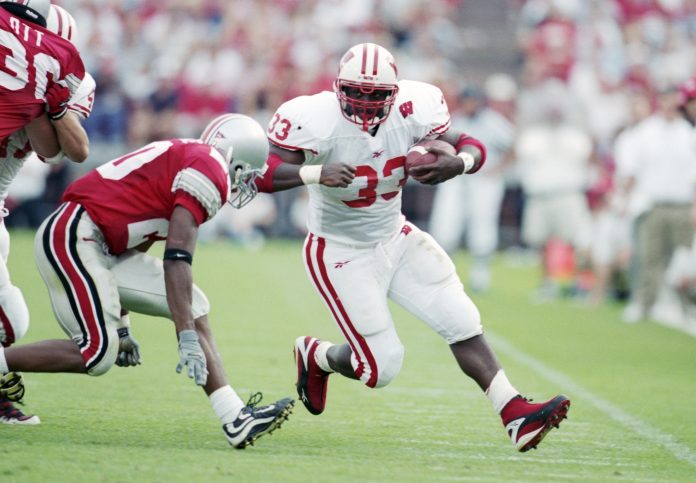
(611, 247)
(472, 204)
(664, 179)
(553, 162)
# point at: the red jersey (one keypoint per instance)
(131, 198)
(31, 58)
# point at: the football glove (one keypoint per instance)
(57, 97)
(191, 355)
(128, 349)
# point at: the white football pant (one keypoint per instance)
(411, 269)
(88, 286)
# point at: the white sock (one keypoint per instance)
(500, 391)
(3, 362)
(320, 356)
(226, 404)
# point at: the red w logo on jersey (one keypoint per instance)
(406, 109)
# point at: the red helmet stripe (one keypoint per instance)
(374, 66)
(364, 60)
(59, 14)
(215, 124)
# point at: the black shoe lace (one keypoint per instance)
(254, 399)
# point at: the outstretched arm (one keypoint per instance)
(178, 281)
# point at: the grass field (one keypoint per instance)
(633, 389)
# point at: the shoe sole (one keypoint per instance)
(277, 422)
(553, 420)
(302, 376)
(32, 421)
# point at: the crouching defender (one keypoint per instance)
(91, 255)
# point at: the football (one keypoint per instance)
(418, 155)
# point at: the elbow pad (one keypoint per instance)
(264, 183)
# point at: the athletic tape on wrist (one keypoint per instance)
(467, 159)
(310, 174)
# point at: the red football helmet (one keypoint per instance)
(366, 84)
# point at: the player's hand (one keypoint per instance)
(128, 349)
(191, 355)
(447, 166)
(57, 97)
(337, 175)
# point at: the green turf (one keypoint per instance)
(633, 389)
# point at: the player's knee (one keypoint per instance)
(15, 321)
(107, 358)
(389, 365)
(452, 313)
(200, 305)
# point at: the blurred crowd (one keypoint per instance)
(592, 160)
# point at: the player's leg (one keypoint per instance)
(426, 284)
(14, 323)
(83, 295)
(140, 279)
(352, 284)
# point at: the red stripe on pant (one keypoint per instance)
(59, 235)
(344, 321)
(7, 327)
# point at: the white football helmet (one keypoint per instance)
(33, 10)
(243, 143)
(60, 22)
(366, 84)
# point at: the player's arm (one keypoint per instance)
(470, 151)
(43, 138)
(284, 170)
(72, 137)
(178, 277)
(178, 280)
(54, 139)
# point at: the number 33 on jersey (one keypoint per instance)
(368, 210)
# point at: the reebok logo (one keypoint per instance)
(341, 264)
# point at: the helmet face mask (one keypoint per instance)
(366, 85)
(243, 144)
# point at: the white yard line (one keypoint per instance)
(650, 433)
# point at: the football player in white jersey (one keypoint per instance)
(349, 148)
(70, 140)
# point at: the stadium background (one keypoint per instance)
(163, 69)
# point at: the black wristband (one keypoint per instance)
(122, 332)
(178, 255)
(54, 116)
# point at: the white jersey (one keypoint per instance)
(369, 210)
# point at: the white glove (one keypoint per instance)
(191, 355)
